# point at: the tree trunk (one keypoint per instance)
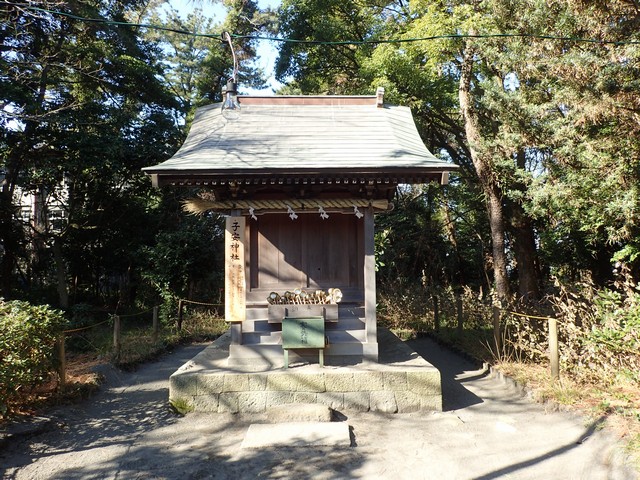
(524, 242)
(482, 165)
(9, 239)
(525, 251)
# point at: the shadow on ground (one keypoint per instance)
(454, 371)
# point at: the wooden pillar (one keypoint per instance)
(370, 283)
(156, 327)
(554, 355)
(62, 361)
(460, 314)
(436, 314)
(180, 310)
(497, 339)
(117, 344)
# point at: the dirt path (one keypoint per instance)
(487, 431)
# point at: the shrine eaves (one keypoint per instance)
(356, 145)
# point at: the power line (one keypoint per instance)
(112, 22)
(452, 36)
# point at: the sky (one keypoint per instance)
(267, 52)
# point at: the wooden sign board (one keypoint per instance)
(307, 332)
(234, 270)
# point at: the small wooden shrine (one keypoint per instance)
(300, 179)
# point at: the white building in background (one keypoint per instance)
(46, 210)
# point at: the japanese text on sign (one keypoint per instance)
(235, 296)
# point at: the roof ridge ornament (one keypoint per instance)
(380, 97)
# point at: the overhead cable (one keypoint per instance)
(451, 36)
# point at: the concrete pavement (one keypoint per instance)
(487, 430)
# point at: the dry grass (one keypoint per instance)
(81, 382)
(617, 399)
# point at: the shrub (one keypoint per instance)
(27, 339)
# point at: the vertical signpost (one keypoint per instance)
(234, 269)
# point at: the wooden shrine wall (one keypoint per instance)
(308, 252)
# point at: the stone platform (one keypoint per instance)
(401, 381)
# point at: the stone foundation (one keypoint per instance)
(401, 382)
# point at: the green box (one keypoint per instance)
(304, 332)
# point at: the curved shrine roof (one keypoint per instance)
(292, 136)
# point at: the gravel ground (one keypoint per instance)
(487, 430)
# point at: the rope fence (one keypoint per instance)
(117, 343)
(117, 331)
(554, 348)
(497, 314)
(183, 301)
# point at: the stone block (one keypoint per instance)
(281, 382)
(299, 412)
(310, 382)
(209, 384)
(296, 434)
(333, 400)
(182, 385)
(304, 397)
(367, 381)
(228, 402)
(257, 382)
(252, 402)
(338, 382)
(383, 401)
(206, 403)
(424, 383)
(357, 401)
(235, 382)
(407, 401)
(395, 381)
(431, 402)
(296, 382)
(279, 398)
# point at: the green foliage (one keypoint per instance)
(86, 105)
(181, 406)
(558, 134)
(613, 343)
(598, 329)
(419, 241)
(185, 261)
(334, 69)
(77, 128)
(27, 338)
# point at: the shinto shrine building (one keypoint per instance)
(300, 179)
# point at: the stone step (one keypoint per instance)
(275, 338)
(274, 354)
(346, 323)
(297, 434)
